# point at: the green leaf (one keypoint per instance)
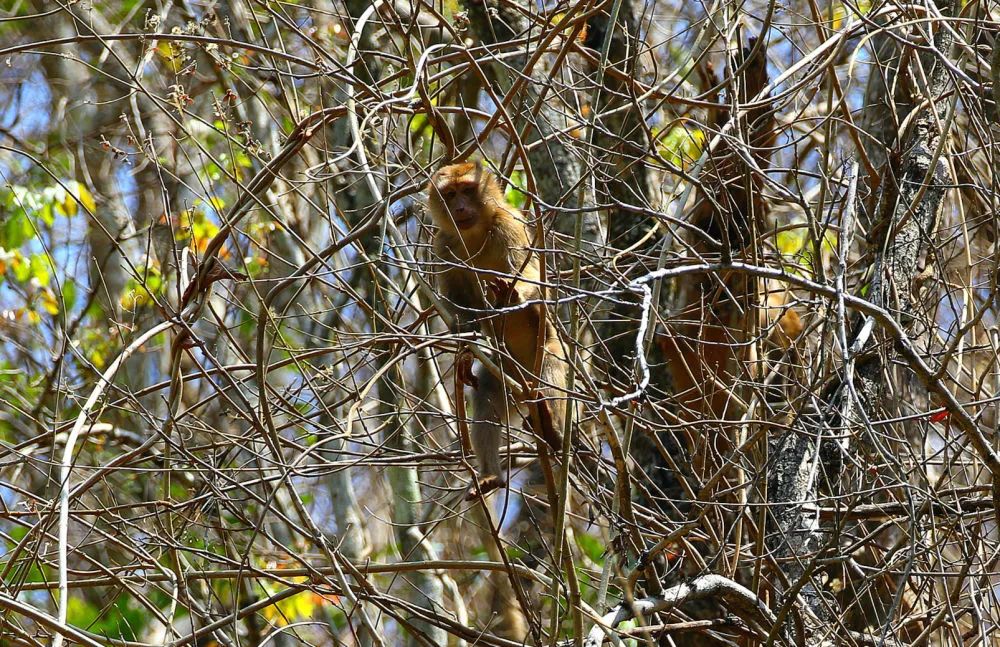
(629, 624)
(790, 241)
(81, 613)
(418, 123)
(122, 620)
(22, 271)
(591, 547)
(47, 214)
(515, 193)
(243, 160)
(68, 295)
(40, 269)
(682, 147)
(16, 230)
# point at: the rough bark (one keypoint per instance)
(620, 136)
(556, 167)
(911, 194)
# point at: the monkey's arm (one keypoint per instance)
(505, 292)
(520, 263)
(464, 297)
(458, 285)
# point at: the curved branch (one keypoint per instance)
(65, 468)
(740, 599)
(59, 626)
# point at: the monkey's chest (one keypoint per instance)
(519, 333)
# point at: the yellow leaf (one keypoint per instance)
(682, 147)
(167, 52)
(837, 19)
(49, 302)
(86, 198)
(790, 241)
(134, 298)
(7, 259)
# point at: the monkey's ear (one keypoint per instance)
(492, 177)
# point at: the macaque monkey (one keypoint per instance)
(784, 324)
(708, 344)
(484, 244)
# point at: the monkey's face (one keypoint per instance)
(463, 202)
(457, 195)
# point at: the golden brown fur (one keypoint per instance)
(709, 342)
(485, 246)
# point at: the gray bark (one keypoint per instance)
(911, 197)
(620, 139)
(557, 168)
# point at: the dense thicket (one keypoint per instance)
(229, 412)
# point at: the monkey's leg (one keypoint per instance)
(553, 396)
(492, 417)
(556, 406)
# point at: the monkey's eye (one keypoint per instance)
(469, 190)
(449, 194)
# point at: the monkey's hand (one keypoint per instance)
(503, 293)
(463, 366)
(484, 486)
(498, 291)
